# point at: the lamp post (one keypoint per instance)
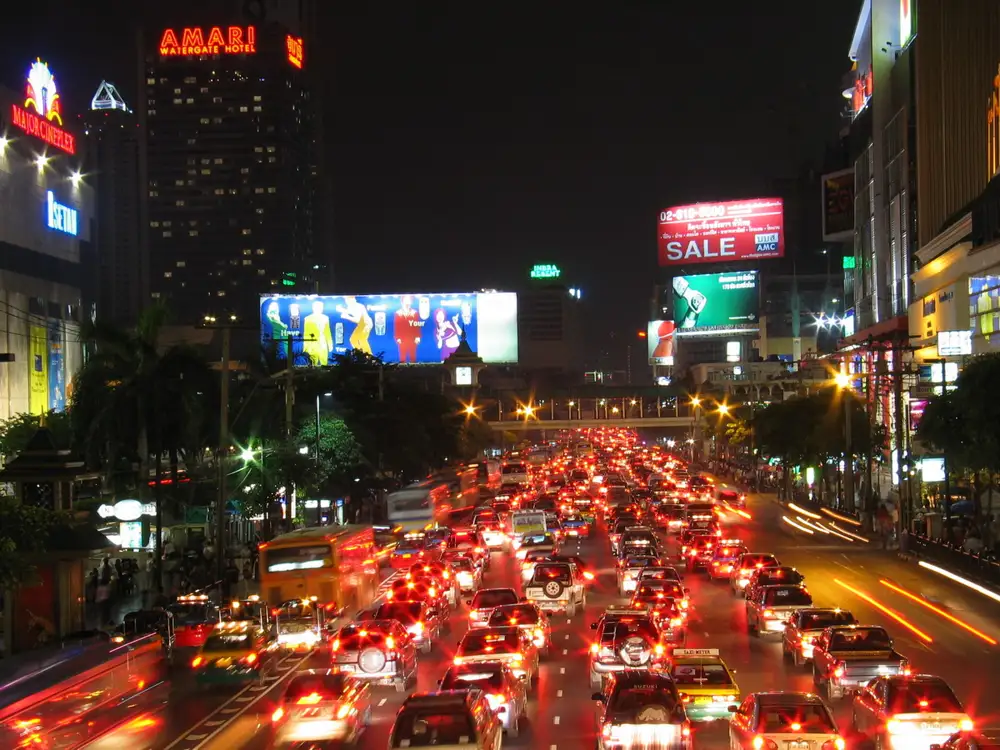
(695, 405)
(843, 381)
(328, 394)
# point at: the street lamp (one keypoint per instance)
(843, 383)
(470, 410)
(328, 393)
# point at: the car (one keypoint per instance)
(504, 691)
(493, 532)
(774, 575)
(546, 542)
(705, 682)
(974, 739)
(588, 575)
(847, 657)
(528, 618)
(699, 552)
(575, 526)
(419, 619)
(410, 549)
(669, 518)
(805, 625)
(768, 609)
(689, 539)
(440, 574)
(452, 718)
(641, 709)
(732, 498)
(468, 575)
(671, 589)
(768, 720)
(379, 651)
(485, 601)
(660, 572)
(508, 644)
(638, 537)
(912, 711)
(421, 590)
(557, 587)
(747, 564)
(531, 559)
(666, 612)
(320, 706)
(628, 570)
(626, 639)
(235, 653)
(724, 557)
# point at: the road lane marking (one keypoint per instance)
(217, 722)
(243, 698)
(553, 747)
(196, 737)
(562, 670)
(565, 651)
(229, 710)
(569, 622)
(559, 694)
(383, 702)
(567, 636)
(556, 721)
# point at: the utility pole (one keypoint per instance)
(848, 396)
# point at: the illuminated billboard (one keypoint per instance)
(232, 40)
(400, 328)
(294, 50)
(41, 115)
(660, 339)
(726, 231)
(715, 303)
(838, 206)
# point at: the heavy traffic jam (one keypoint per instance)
(611, 569)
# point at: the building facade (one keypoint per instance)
(120, 275)
(46, 237)
(229, 165)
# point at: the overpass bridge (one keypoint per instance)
(526, 425)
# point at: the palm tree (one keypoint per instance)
(135, 398)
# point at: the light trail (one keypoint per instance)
(839, 517)
(938, 611)
(964, 581)
(792, 523)
(804, 512)
(886, 611)
(849, 533)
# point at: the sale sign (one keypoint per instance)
(719, 232)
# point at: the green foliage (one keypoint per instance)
(475, 437)
(341, 459)
(964, 423)
(24, 532)
(19, 429)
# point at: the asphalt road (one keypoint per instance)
(561, 714)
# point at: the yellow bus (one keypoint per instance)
(335, 564)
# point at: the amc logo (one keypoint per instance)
(766, 243)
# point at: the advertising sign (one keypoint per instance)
(41, 115)
(545, 271)
(715, 303)
(57, 367)
(401, 328)
(38, 371)
(954, 343)
(233, 40)
(294, 50)
(838, 206)
(660, 339)
(727, 231)
(58, 217)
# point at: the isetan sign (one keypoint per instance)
(216, 40)
(719, 232)
(41, 115)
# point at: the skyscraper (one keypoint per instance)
(120, 278)
(229, 167)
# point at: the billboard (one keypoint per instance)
(715, 303)
(838, 205)
(38, 370)
(660, 338)
(57, 367)
(400, 328)
(726, 231)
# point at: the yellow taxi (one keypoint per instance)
(234, 653)
(705, 683)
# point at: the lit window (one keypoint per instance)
(220, 191)
(179, 203)
(260, 251)
(245, 232)
(258, 149)
(167, 233)
(217, 160)
(168, 274)
(257, 108)
(189, 100)
(247, 262)
(221, 293)
(260, 210)
(177, 100)
(270, 149)
(177, 91)
(181, 263)
(260, 271)
(192, 233)
(244, 109)
(256, 98)
(154, 223)
(155, 295)
(258, 190)
(206, 171)
(272, 190)
(245, 170)
(178, 182)
(190, 79)
(247, 251)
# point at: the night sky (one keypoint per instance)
(468, 141)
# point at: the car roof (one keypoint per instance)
(787, 698)
(631, 677)
(440, 698)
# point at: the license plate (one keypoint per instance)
(702, 700)
(930, 727)
(798, 746)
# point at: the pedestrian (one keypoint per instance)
(103, 598)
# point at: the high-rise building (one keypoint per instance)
(229, 166)
(120, 276)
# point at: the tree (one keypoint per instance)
(341, 460)
(19, 429)
(475, 438)
(24, 534)
(134, 398)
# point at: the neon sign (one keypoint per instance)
(864, 82)
(545, 271)
(59, 217)
(41, 115)
(293, 46)
(236, 40)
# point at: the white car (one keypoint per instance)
(557, 587)
(531, 559)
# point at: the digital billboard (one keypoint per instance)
(838, 205)
(726, 231)
(715, 303)
(400, 328)
(660, 338)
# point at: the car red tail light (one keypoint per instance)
(837, 743)
(250, 659)
(197, 662)
(769, 613)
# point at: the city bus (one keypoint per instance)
(423, 505)
(334, 565)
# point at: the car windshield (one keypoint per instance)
(536, 554)
(228, 642)
(462, 563)
(660, 574)
(787, 596)
(432, 727)
(652, 703)
(758, 561)
(516, 614)
(777, 576)
(476, 642)
(808, 718)
(639, 561)
(911, 697)
(701, 674)
(330, 686)
(494, 598)
(553, 572)
(860, 639)
(474, 677)
(187, 614)
(819, 620)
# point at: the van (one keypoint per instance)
(524, 523)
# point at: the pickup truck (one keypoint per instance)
(847, 657)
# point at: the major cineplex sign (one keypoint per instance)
(726, 231)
